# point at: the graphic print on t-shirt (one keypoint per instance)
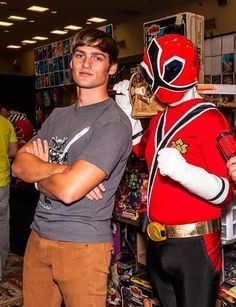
(58, 154)
(56, 150)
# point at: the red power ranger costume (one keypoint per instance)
(188, 178)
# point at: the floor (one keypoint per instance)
(11, 285)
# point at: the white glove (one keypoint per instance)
(122, 99)
(195, 179)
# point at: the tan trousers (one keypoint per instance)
(74, 272)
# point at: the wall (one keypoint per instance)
(130, 34)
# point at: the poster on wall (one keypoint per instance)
(52, 62)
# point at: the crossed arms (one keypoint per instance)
(63, 182)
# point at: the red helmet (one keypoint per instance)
(24, 130)
(170, 66)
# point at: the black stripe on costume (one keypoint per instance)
(185, 119)
(137, 134)
(159, 135)
(220, 193)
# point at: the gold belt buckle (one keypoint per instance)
(156, 231)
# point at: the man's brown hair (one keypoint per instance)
(97, 38)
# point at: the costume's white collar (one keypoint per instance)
(190, 94)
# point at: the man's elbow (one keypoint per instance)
(68, 196)
(15, 169)
(20, 173)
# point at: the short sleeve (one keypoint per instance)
(13, 137)
(109, 144)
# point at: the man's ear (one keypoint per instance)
(113, 69)
(71, 66)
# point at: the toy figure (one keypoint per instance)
(188, 178)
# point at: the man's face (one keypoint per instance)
(91, 67)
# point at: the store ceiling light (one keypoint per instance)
(97, 19)
(5, 24)
(39, 9)
(71, 27)
(13, 17)
(28, 41)
(3, 2)
(40, 38)
(13, 46)
(60, 32)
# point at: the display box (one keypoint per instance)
(228, 223)
(189, 24)
(136, 289)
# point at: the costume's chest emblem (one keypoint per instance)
(180, 146)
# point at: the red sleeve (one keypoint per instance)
(216, 164)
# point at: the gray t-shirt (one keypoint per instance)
(100, 134)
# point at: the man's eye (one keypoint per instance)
(78, 55)
(98, 58)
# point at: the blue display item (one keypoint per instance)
(46, 99)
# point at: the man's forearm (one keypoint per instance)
(30, 168)
(49, 187)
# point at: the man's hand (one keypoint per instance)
(39, 149)
(231, 164)
(96, 193)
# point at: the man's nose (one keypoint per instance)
(86, 62)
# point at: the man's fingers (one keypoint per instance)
(92, 195)
(35, 148)
(40, 148)
(95, 194)
(101, 187)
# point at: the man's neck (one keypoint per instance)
(91, 96)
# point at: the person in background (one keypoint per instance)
(23, 127)
(8, 149)
(69, 250)
(231, 164)
(188, 179)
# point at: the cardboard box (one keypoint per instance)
(135, 289)
(228, 223)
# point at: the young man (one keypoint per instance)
(69, 250)
(8, 145)
(188, 178)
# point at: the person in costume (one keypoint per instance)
(188, 179)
